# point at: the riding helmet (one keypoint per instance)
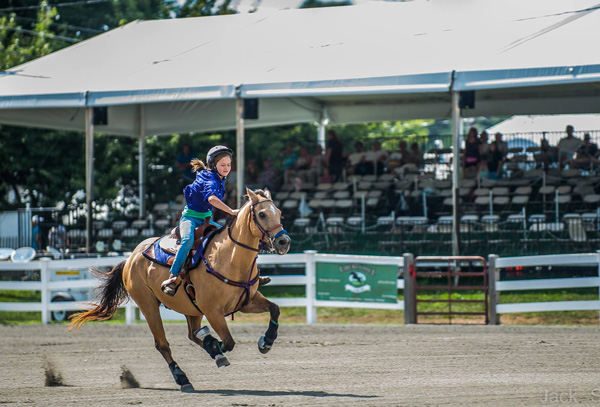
(215, 154)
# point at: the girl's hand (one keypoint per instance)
(234, 212)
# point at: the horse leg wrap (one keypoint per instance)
(212, 346)
(214, 349)
(180, 377)
(271, 333)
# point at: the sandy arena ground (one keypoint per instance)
(320, 365)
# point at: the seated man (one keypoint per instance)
(357, 160)
(376, 159)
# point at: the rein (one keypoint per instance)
(251, 281)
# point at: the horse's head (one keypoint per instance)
(266, 220)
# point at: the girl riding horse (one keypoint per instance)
(226, 281)
(201, 196)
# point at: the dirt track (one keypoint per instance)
(322, 365)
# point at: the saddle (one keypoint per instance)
(172, 242)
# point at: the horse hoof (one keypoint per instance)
(221, 361)
(187, 388)
(262, 345)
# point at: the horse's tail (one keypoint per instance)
(112, 294)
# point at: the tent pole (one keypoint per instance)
(89, 175)
(142, 160)
(239, 136)
(456, 122)
(323, 120)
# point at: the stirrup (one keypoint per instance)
(263, 281)
(169, 287)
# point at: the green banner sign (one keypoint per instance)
(357, 282)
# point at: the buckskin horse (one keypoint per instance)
(225, 282)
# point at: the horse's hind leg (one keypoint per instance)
(150, 309)
(260, 304)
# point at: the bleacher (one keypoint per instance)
(534, 212)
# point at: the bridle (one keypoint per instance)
(264, 233)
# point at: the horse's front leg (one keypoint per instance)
(211, 345)
(260, 304)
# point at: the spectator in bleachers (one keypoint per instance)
(334, 155)
(547, 155)
(484, 146)
(590, 148)
(397, 158)
(183, 162)
(302, 167)
(357, 163)
(416, 156)
(587, 154)
(471, 157)
(568, 146)
(288, 161)
(582, 159)
(251, 172)
(495, 160)
(268, 177)
(376, 159)
(483, 168)
(317, 165)
(288, 157)
(402, 161)
(501, 145)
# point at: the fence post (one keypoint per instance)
(410, 312)
(129, 313)
(493, 276)
(45, 279)
(598, 251)
(311, 272)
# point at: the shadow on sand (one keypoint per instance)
(266, 393)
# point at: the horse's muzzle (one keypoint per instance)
(282, 244)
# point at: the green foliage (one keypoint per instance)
(19, 45)
(321, 3)
(196, 8)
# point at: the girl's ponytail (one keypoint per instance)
(197, 164)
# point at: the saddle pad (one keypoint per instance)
(155, 252)
(169, 244)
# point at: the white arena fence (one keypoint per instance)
(308, 260)
(574, 260)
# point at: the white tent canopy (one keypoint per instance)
(371, 62)
(374, 61)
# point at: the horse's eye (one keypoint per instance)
(262, 215)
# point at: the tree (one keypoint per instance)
(196, 8)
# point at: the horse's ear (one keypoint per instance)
(251, 195)
(267, 193)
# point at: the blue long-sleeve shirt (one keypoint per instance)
(207, 183)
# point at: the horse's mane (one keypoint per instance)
(231, 219)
